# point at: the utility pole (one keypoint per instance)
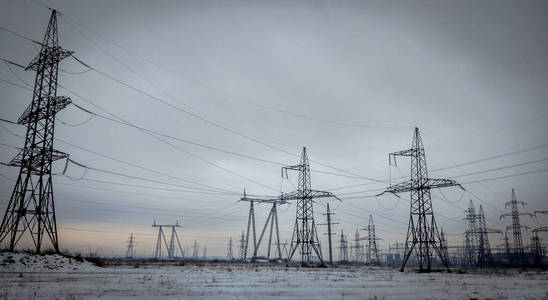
(229, 255)
(329, 232)
(130, 253)
(422, 233)
(305, 236)
(31, 207)
(518, 253)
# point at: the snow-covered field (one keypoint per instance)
(76, 280)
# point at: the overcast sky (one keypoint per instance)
(347, 79)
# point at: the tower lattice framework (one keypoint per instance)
(31, 208)
(422, 233)
(305, 235)
(518, 256)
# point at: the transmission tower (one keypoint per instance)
(357, 247)
(242, 247)
(169, 245)
(485, 256)
(343, 248)
(130, 253)
(31, 207)
(305, 236)
(518, 251)
(422, 234)
(471, 235)
(443, 245)
(537, 247)
(372, 253)
(195, 250)
(330, 232)
(229, 254)
(204, 253)
(271, 223)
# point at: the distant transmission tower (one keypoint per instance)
(130, 253)
(195, 250)
(204, 253)
(169, 245)
(229, 254)
(443, 245)
(518, 251)
(471, 235)
(372, 253)
(358, 254)
(343, 248)
(422, 234)
(242, 247)
(305, 235)
(485, 256)
(31, 207)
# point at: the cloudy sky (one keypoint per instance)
(241, 86)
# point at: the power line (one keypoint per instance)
(72, 23)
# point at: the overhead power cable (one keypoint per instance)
(73, 23)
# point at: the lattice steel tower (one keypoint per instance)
(372, 253)
(422, 233)
(305, 235)
(31, 208)
(518, 252)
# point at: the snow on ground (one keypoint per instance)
(247, 281)
(26, 262)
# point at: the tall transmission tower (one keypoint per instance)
(343, 248)
(518, 251)
(229, 254)
(130, 253)
(372, 253)
(330, 232)
(485, 256)
(169, 245)
(31, 207)
(422, 233)
(305, 235)
(443, 245)
(471, 235)
(204, 256)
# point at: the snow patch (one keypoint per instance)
(28, 262)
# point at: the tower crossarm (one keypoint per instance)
(545, 228)
(51, 54)
(32, 159)
(430, 183)
(544, 212)
(520, 226)
(312, 194)
(392, 156)
(510, 214)
(48, 105)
